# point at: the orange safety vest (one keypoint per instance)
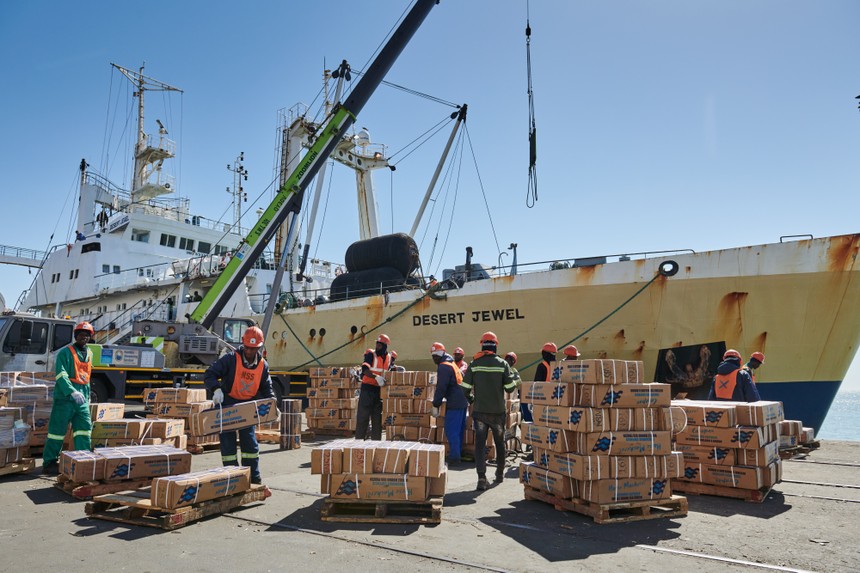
(751, 372)
(378, 368)
(548, 371)
(457, 374)
(82, 369)
(247, 380)
(724, 384)
(462, 366)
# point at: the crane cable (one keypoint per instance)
(532, 191)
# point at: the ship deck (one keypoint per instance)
(807, 523)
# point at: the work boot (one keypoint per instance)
(500, 477)
(256, 481)
(51, 469)
(483, 484)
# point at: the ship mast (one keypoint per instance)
(148, 156)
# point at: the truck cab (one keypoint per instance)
(29, 343)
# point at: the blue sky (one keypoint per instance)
(661, 124)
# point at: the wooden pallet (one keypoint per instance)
(18, 467)
(89, 489)
(427, 512)
(695, 488)
(203, 448)
(136, 508)
(623, 512)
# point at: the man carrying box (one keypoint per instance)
(243, 375)
(487, 379)
(448, 381)
(376, 364)
(71, 399)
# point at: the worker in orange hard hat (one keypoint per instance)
(448, 388)
(71, 405)
(733, 382)
(756, 360)
(544, 372)
(393, 367)
(459, 354)
(511, 359)
(237, 377)
(373, 369)
(571, 353)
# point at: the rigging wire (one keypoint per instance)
(483, 191)
(447, 183)
(532, 191)
(424, 137)
(415, 92)
(453, 209)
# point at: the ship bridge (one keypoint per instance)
(21, 256)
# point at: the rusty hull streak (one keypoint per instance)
(760, 342)
(637, 354)
(729, 315)
(842, 253)
(585, 275)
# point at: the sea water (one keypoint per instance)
(843, 419)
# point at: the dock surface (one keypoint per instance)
(808, 523)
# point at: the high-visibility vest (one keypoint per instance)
(82, 369)
(246, 383)
(378, 368)
(724, 384)
(548, 371)
(457, 374)
(462, 366)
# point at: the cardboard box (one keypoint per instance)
(668, 466)
(624, 443)
(552, 439)
(592, 467)
(718, 414)
(410, 378)
(37, 415)
(333, 413)
(439, 485)
(547, 481)
(584, 419)
(129, 428)
(30, 393)
(390, 458)
(175, 395)
(344, 372)
(786, 442)
(234, 417)
(762, 457)
(763, 413)
(165, 428)
(176, 410)
(331, 392)
(395, 419)
(103, 412)
(81, 466)
(426, 460)
(383, 487)
(327, 459)
(790, 428)
(12, 455)
(413, 433)
(134, 462)
(623, 490)
(358, 456)
(742, 477)
(172, 492)
(411, 392)
(338, 403)
(747, 437)
(708, 455)
(622, 395)
(548, 393)
(596, 371)
(807, 435)
(331, 424)
(332, 382)
(424, 406)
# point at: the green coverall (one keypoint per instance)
(65, 410)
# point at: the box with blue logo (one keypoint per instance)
(235, 417)
(187, 489)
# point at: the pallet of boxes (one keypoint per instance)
(381, 481)
(15, 431)
(795, 439)
(731, 449)
(332, 400)
(602, 442)
(172, 501)
(407, 399)
(33, 394)
(182, 404)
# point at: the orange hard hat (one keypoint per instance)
(437, 349)
(732, 353)
(383, 338)
(459, 350)
(489, 337)
(86, 326)
(394, 354)
(550, 347)
(571, 351)
(758, 356)
(511, 355)
(253, 337)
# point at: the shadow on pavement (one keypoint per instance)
(772, 506)
(308, 519)
(122, 531)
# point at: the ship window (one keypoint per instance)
(105, 268)
(140, 235)
(204, 247)
(116, 269)
(62, 336)
(90, 247)
(76, 272)
(186, 244)
(168, 240)
(220, 249)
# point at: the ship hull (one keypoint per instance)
(797, 302)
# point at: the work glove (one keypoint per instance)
(79, 398)
(218, 397)
(434, 411)
(380, 380)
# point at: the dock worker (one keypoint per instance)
(571, 353)
(733, 382)
(376, 364)
(485, 383)
(459, 354)
(448, 381)
(241, 376)
(544, 372)
(756, 360)
(393, 367)
(74, 364)
(511, 359)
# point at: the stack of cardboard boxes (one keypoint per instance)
(180, 403)
(364, 470)
(332, 400)
(33, 393)
(792, 434)
(407, 399)
(290, 424)
(600, 435)
(14, 436)
(729, 446)
(123, 463)
(513, 417)
(136, 431)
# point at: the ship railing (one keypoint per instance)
(165, 144)
(11, 252)
(134, 277)
(105, 184)
(578, 262)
